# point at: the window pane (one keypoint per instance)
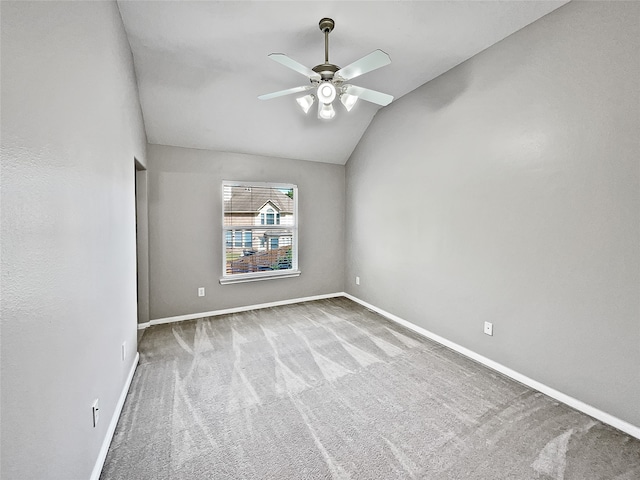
(262, 225)
(243, 204)
(273, 251)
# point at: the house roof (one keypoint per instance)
(251, 200)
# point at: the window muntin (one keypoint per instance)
(259, 228)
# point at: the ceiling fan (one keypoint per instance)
(328, 79)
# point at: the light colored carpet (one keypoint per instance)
(329, 389)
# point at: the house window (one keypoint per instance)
(238, 238)
(259, 231)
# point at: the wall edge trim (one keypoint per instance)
(258, 306)
(106, 443)
(579, 405)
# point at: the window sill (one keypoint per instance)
(257, 277)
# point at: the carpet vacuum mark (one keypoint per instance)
(330, 390)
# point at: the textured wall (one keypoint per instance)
(71, 126)
(185, 195)
(508, 190)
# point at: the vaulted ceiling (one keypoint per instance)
(201, 65)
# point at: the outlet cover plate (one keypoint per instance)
(488, 328)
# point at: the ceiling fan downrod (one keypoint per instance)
(326, 70)
(326, 26)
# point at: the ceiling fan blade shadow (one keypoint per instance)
(293, 65)
(281, 93)
(366, 64)
(369, 95)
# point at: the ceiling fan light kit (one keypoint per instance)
(306, 102)
(326, 111)
(328, 79)
(326, 92)
(348, 101)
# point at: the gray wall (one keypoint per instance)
(185, 216)
(71, 126)
(508, 190)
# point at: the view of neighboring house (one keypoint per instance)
(258, 225)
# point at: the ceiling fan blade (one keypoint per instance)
(366, 64)
(293, 65)
(281, 93)
(368, 95)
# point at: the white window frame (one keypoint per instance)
(258, 276)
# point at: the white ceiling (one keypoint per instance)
(201, 65)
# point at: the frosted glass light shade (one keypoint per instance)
(306, 102)
(326, 111)
(326, 92)
(348, 101)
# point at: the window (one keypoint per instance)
(259, 231)
(238, 238)
(272, 217)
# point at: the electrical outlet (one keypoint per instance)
(357, 280)
(95, 410)
(488, 328)
(201, 292)
(124, 351)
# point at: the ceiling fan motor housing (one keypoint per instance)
(326, 71)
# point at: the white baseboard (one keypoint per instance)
(214, 313)
(102, 455)
(604, 417)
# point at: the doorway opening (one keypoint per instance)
(142, 246)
